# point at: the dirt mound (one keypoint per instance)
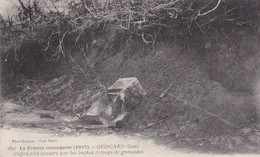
(196, 107)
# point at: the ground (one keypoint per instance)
(198, 113)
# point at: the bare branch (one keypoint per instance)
(207, 12)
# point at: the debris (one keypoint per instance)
(116, 104)
(156, 122)
(47, 115)
(166, 90)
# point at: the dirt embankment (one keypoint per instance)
(200, 109)
(191, 84)
(213, 97)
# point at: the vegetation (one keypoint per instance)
(85, 26)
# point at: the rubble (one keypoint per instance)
(116, 104)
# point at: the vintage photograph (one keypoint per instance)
(129, 78)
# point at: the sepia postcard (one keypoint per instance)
(142, 78)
